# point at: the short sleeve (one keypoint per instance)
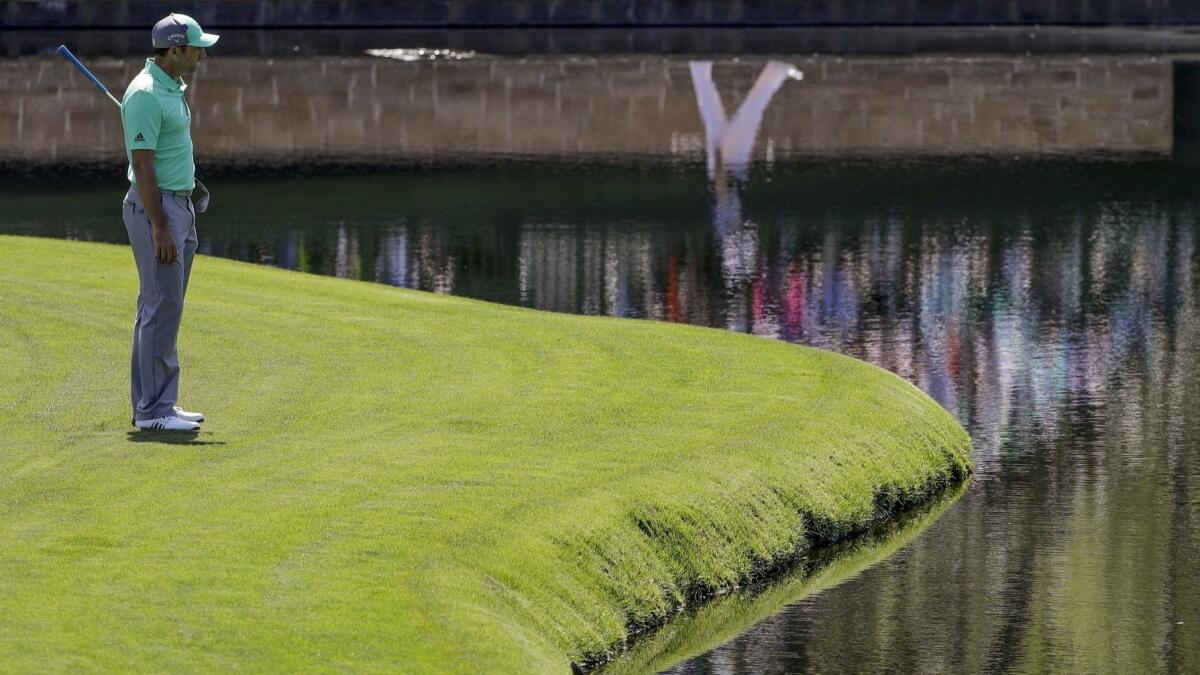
(141, 116)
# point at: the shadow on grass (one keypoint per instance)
(168, 437)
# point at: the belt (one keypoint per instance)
(177, 193)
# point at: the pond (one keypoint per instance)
(1017, 236)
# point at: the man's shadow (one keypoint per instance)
(168, 437)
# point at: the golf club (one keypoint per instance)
(62, 49)
(202, 196)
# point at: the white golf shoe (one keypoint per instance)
(172, 423)
(186, 416)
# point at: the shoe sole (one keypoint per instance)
(134, 424)
(161, 429)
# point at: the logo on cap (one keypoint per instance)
(177, 30)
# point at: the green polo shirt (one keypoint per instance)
(156, 117)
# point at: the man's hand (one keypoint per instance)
(147, 186)
(164, 244)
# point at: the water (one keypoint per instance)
(1036, 276)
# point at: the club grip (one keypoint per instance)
(62, 49)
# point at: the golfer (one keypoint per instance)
(160, 217)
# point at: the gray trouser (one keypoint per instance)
(155, 363)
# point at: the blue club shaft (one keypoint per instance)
(62, 49)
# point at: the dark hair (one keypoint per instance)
(161, 52)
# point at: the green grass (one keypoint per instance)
(399, 481)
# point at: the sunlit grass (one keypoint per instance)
(398, 481)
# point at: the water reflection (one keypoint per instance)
(729, 144)
(1068, 344)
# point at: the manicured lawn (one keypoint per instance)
(399, 481)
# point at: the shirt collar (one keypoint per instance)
(160, 76)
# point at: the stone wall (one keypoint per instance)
(345, 13)
(365, 108)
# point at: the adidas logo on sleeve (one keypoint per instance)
(139, 138)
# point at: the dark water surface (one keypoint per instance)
(1051, 305)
